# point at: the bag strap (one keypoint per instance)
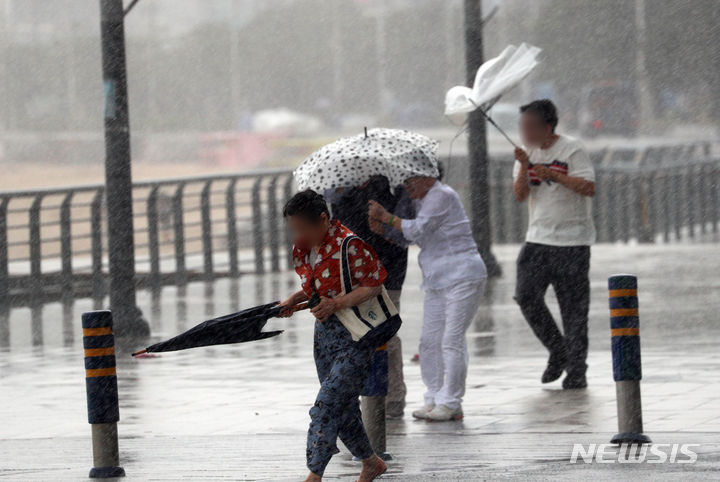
(347, 279)
(345, 263)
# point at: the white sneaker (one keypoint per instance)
(443, 413)
(423, 412)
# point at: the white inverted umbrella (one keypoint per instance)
(493, 79)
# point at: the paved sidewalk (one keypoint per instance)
(240, 412)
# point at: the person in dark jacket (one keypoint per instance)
(349, 206)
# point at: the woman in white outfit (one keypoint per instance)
(453, 280)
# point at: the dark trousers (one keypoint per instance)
(342, 367)
(566, 268)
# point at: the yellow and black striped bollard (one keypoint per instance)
(102, 393)
(627, 368)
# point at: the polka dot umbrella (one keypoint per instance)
(351, 161)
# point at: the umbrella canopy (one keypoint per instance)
(237, 327)
(351, 161)
(493, 79)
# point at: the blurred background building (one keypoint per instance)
(252, 82)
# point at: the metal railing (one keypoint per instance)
(53, 242)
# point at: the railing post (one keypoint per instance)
(98, 279)
(600, 206)
(153, 238)
(4, 277)
(287, 194)
(4, 271)
(650, 183)
(702, 184)
(68, 325)
(66, 245)
(257, 226)
(4, 326)
(36, 321)
(179, 235)
(714, 195)
(690, 199)
(497, 186)
(207, 231)
(36, 292)
(678, 199)
(516, 211)
(665, 204)
(643, 156)
(492, 196)
(35, 249)
(519, 221)
(232, 235)
(705, 149)
(273, 231)
(622, 205)
(507, 186)
(642, 207)
(505, 183)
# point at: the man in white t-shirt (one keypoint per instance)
(555, 175)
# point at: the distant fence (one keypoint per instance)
(53, 242)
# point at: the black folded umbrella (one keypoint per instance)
(245, 325)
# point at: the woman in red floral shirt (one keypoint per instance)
(342, 364)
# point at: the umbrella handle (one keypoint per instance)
(293, 309)
(139, 352)
(300, 307)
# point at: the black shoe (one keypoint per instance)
(573, 381)
(555, 367)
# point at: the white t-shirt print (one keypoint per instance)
(557, 215)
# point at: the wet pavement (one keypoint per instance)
(240, 412)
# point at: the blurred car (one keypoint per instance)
(283, 120)
(608, 108)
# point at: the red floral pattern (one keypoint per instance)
(365, 267)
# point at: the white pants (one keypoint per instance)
(447, 315)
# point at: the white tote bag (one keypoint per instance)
(373, 321)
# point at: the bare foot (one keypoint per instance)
(313, 477)
(371, 468)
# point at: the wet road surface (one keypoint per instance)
(240, 412)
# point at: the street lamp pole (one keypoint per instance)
(477, 142)
(118, 180)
